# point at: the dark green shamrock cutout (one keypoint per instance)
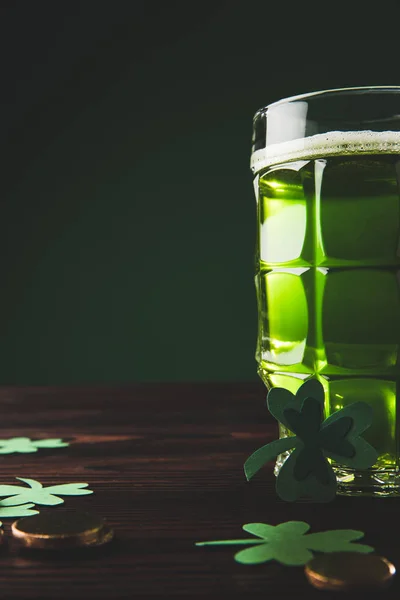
(287, 544)
(307, 472)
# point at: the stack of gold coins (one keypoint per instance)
(60, 530)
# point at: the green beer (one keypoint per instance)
(328, 281)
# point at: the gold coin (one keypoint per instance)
(60, 530)
(342, 571)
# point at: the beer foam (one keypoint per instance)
(332, 143)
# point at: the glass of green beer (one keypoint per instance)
(326, 171)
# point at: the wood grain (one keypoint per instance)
(166, 466)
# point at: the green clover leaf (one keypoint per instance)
(307, 472)
(50, 443)
(37, 494)
(287, 543)
(18, 511)
(25, 445)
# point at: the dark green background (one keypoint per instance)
(127, 209)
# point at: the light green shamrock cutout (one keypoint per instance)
(25, 445)
(17, 511)
(287, 544)
(37, 494)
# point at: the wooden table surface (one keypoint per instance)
(166, 466)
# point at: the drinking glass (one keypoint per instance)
(326, 171)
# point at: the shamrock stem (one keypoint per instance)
(232, 542)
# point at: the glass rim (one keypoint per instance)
(286, 128)
(304, 96)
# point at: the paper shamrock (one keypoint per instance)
(25, 445)
(38, 494)
(18, 511)
(287, 544)
(307, 472)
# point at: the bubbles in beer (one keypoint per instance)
(333, 143)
